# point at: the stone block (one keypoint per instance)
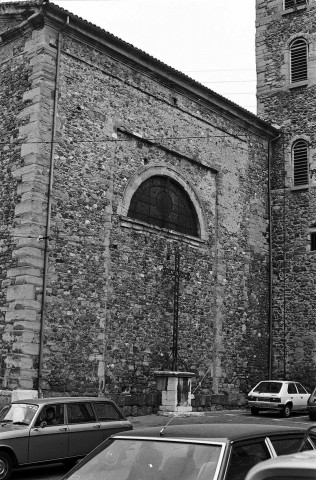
(34, 95)
(26, 348)
(20, 271)
(21, 292)
(25, 325)
(29, 279)
(29, 206)
(28, 304)
(27, 315)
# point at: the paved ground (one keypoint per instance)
(161, 420)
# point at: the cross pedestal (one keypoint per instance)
(176, 391)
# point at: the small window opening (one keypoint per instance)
(313, 241)
(300, 163)
(293, 3)
(298, 60)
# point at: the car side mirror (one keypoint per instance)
(43, 424)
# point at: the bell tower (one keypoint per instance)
(286, 95)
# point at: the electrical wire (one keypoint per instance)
(222, 70)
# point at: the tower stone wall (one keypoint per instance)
(292, 106)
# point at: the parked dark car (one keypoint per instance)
(311, 405)
(55, 429)
(189, 452)
(297, 466)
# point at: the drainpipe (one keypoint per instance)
(270, 261)
(48, 216)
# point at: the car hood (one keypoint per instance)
(10, 430)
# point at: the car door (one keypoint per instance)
(303, 396)
(48, 441)
(110, 418)
(85, 431)
(294, 396)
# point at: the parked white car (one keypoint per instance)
(280, 395)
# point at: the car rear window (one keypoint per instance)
(244, 457)
(80, 413)
(287, 445)
(106, 412)
(268, 387)
(300, 388)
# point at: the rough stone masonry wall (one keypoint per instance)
(294, 211)
(110, 305)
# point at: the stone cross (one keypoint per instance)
(176, 273)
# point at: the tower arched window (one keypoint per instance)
(299, 56)
(300, 163)
(163, 202)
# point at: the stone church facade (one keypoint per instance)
(111, 162)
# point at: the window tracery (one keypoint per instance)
(162, 202)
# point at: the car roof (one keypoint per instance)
(231, 432)
(42, 401)
(279, 381)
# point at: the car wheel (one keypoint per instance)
(5, 466)
(254, 411)
(286, 412)
(312, 416)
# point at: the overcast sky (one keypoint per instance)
(212, 41)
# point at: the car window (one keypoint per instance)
(52, 414)
(287, 445)
(80, 413)
(300, 388)
(150, 459)
(244, 457)
(291, 388)
(106, 412)
(268, 387)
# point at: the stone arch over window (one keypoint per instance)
(298, 60)
(160, 196)
(300, 163)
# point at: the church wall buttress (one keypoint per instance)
(27, 224)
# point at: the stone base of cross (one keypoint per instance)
(175, 390)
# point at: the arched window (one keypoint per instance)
(161, 201)
(299, 57)
(300, 163)
(293, 3)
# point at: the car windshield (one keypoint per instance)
(18, 413)
(134, 459)
(268, 387)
